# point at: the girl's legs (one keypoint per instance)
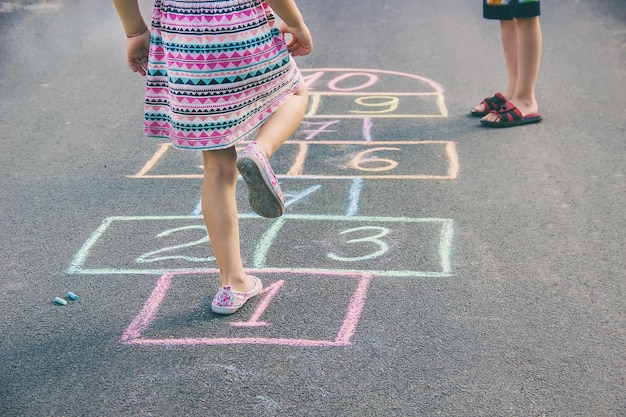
(219, 209)
(528, 53)
(277, 129)
(219, 205)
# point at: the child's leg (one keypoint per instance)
(283, 123)
(528, 58)
(219, 209)
(509, 46)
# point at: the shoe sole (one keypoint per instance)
(525, 121)
(261, 195)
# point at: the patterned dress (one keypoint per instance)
(217, 70)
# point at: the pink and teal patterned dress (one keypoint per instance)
(217, 70)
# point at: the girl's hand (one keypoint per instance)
(301, 42)
(137, 52)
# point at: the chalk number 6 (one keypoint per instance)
(380, 244)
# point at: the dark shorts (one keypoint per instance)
(510, 9)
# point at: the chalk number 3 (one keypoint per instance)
(375, 240)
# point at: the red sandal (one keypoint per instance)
(493, 103)
(510, 116)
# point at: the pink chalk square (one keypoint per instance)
(300, 308)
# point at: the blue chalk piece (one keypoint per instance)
(72, 296)
(60, 301)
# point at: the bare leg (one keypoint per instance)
(508, 35)
(510, 47)
(277, 129)
(529, 56)
(219, 209)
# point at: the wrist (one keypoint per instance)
(138, 32)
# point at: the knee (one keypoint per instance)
(219, 166)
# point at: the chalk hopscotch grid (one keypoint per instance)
(77, 266)
(133, 333)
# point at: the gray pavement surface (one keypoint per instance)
(483, 275)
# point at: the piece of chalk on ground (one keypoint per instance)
(61, 301)
(72, 296)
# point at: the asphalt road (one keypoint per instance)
(426, 266)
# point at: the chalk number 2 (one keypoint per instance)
(153, 255)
